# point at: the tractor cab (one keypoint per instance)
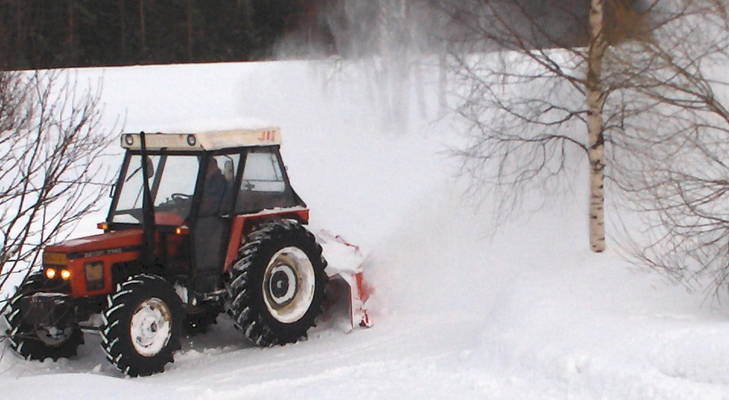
(197, 184)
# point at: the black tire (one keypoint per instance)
(28, 340)
(248, 292)
(124, 313)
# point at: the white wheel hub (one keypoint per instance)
(151, 327)
(288, 285)
(52, 336)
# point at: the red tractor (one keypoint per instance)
(199, 224)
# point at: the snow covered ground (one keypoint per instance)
(460, 312)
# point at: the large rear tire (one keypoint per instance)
(142, 325)
(38, 342)
(278, 285)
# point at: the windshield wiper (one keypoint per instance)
(132, 174)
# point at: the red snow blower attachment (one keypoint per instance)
(347, 265)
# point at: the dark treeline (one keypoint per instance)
(69, 33)
(62, 33)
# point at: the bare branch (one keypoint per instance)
(50, 146)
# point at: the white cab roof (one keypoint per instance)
(215, 140)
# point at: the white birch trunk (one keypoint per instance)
(442, 84)
(595, 102)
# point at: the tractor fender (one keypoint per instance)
(246, 223)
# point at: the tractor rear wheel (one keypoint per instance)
(38, 341)
(277, 286)
(142, 325)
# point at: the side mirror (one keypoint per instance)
(228, 172)
(150, 168)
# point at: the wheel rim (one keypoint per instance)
(151, 327)
(288, 285)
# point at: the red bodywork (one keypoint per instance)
(242, 224)
(96, 248)
(112, 248)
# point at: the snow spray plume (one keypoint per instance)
(390, 42)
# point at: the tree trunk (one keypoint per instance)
(20, 29)
(123, 29)
(188, 11)
(442, 84)
(595, 101)
(142, 31)
(71, 35)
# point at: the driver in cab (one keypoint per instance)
(213, 190)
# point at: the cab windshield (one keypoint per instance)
(172, 181)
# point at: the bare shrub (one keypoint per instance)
(672, 157)
(50, 175)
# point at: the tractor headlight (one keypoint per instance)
(65, 274)
(50, 272)
(94, 272)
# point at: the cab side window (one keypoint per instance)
(262, 173)
(263, 185)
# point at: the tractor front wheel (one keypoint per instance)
(38, 341)
(142, 325)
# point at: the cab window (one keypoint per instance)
(263, 173)
(263, 185)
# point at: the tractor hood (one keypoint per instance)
(81, 247)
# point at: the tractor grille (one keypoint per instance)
(56, 285)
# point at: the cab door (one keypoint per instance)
(212, 223)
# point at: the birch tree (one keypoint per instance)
(533, 89)
(596, 95)
(643, 97)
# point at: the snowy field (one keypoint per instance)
(460, 312)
